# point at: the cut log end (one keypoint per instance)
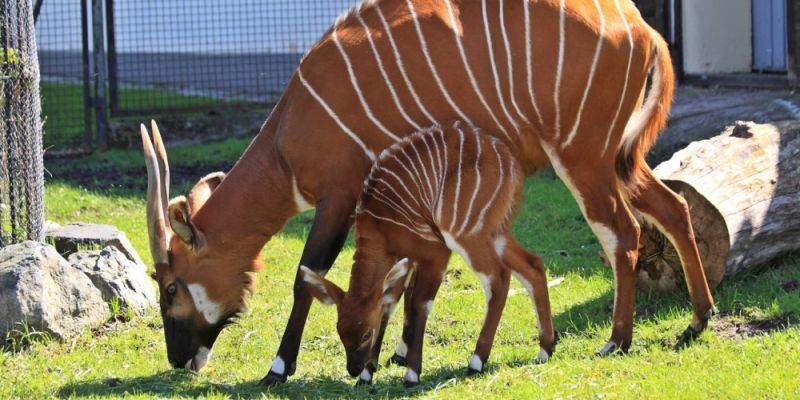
(659, 264)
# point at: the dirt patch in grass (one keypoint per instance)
(729, 326)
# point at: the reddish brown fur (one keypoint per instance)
(302, 142)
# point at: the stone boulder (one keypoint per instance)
(117, 277)
(72, 237)
(40, 288)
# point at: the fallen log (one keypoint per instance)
(743, 191)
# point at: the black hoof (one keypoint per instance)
(410, 384)
(397, 360)
(361, 382)
(472, 371)
(612, 348)
(272, 379)
(687, 337)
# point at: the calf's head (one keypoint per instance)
(202, 285)
(359, 312)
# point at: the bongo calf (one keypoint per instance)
(436, 191)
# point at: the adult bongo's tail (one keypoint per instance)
(646, 123)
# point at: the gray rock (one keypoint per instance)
(73, 237)
(40, 288)
(117, 277)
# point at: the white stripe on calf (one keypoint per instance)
(490, 48)
(369, 153)
(500, 181)
(386, 79)
(510, 66)
(458, 178)
(357, 88)
(436, 77)
(470, 74)
(598, 48)
(477, 187)
(400, 66)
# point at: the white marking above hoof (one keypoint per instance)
(278, 366)
(543, 357)
(411, 376)
(609, 348)
(365, 376)
(475, 363)
(402, 348)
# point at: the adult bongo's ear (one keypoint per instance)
(322, 289)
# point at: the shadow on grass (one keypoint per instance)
(762, 303)
(179, 383)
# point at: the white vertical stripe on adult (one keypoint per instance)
(627, 76)
(495, 74)
(369, 153)
(470, 73)
(529, 59)
(354, 81)
(560, 67)
(431, 66)
(401, 67)
(510, 67)
(598, 48)
(379, 61)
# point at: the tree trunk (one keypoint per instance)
(743, 190)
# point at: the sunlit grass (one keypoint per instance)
(128, 358)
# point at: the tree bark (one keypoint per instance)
(743, 191)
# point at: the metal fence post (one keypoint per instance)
(100, 71)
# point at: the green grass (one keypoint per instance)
(128, 357)
(62, 107)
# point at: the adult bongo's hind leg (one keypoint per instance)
(528, 268)
(670, 213)
(495, 279)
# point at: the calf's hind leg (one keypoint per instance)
(495, 278)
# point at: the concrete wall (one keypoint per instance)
(717, 36)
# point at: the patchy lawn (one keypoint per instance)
(751, 351)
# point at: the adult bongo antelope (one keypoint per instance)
(434, 192)
(561, 82)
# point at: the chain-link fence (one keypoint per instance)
(21, 168)
(165, 57)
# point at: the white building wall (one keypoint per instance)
(717, 36)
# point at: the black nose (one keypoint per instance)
(354, 369)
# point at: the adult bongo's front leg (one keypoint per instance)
(325, 240)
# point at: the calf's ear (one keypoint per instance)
(396, 280)
(322, 289)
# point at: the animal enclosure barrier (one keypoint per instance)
(21, 168)
(129, 58)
